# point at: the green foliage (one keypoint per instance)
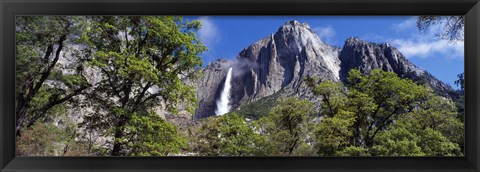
(137, 54)
(433, 143)
(142, 52)
(150, 135)
(46, 139)
(460, 101)
(382, 98)
(257, 109)
(333, 133)
(229, 135)
(333, 95)
(438, 132)
(42, 86)
(143, 61)
(383, 115)
(401, 141)
(40, 140)
(286, 126)
(397, 142)
(353, 151)
(79, 148)
(461, 81)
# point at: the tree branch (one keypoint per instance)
(143, 41)
(142, 94)
(110, 82)
(53, 103)
(46, 73)
(152, 96)
(383, 122)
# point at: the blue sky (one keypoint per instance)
(226, 36)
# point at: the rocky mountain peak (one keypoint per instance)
(218, 64)
(357, 42)
(297, 35)
(293, 24)
(279, 63)
(366, 56)
(354, 41)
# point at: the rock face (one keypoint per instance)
(365, 56)
(280, 62)
(210, 87)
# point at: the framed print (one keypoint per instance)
(239, 85)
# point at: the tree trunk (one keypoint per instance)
(21, 115)
(24, 102)
(118, 135)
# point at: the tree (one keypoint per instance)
(461, 81)
(433, 127)
(382, 114)
(460, 102)
(39, 140)
(389, 97)
(50, 138)
(452, 26)
(143, 60)
(453, 30)
(413, 137)
(150, 135)
(333, 94)
(287, 125)
(333, 133)
(229, 135)
(397, 142)
(376, 99)
(42, 84)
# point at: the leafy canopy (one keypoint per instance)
(383, 115)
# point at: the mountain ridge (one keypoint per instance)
(283, 59)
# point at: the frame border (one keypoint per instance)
(11, 8)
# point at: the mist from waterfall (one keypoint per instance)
(222, 103)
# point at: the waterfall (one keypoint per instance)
(222, 103)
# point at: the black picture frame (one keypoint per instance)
(11, 8)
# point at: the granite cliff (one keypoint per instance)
(278, 64)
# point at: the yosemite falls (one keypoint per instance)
(222, 103)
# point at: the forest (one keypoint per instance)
(91, 86)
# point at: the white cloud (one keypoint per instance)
(412, 48)
(410, 23)
(326, 33)
(209, 33)
(425, 44)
